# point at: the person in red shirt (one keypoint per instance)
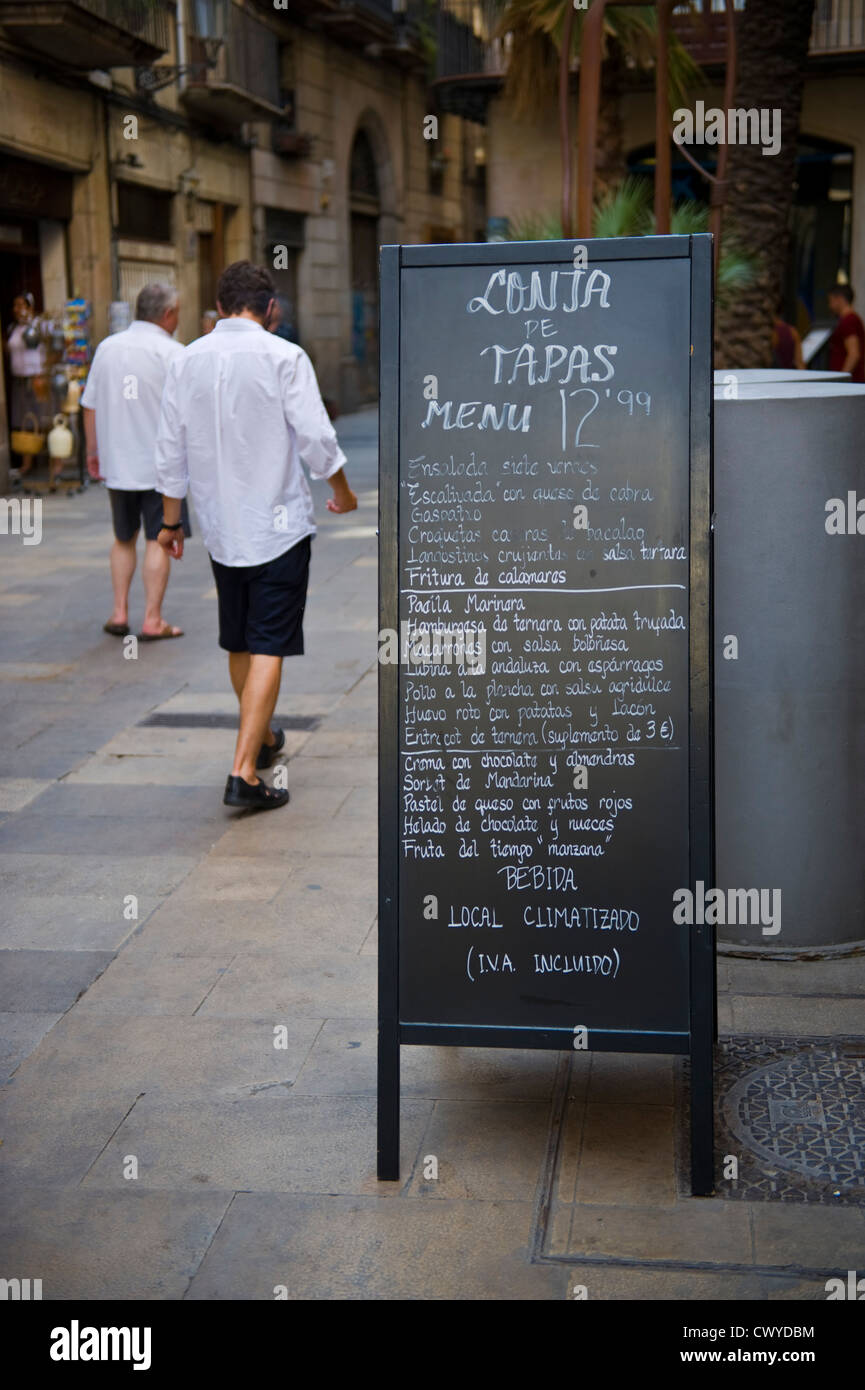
(847, 344)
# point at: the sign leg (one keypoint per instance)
(388, 1101)
(702, 1114)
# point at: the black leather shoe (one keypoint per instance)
(253, 796)
(268, 751)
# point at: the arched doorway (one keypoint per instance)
(364, 212)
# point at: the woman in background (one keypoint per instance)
(29, 368)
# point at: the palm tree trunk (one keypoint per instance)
(610, 164)
(772, 46)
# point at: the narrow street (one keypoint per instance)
(188, 999)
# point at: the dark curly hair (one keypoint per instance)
(243, 285)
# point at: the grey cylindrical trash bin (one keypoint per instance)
(790, 710)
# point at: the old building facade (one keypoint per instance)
(146, 139)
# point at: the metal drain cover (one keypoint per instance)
(800, 1112)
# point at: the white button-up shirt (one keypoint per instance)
(240, 408)
(124, 387)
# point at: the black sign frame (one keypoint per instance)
(697, 1042)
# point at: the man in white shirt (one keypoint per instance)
(240, 410)
(121, 413)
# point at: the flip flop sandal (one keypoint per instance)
(116, 629)
(253, 795)
(268, 751)
(164, 636)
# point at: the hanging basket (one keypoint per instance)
(28, 441)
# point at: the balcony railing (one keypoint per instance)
(90, 33)
(244, 83)
(838, 25)
(471, 55)
(143, 18)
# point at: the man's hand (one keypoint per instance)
(343, 499)
(93, 466)
(342, 502)
(172, 541)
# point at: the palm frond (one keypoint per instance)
(535, 226)
(624, 211)
(531, 83)
(634, 31)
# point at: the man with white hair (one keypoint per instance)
(121, 413)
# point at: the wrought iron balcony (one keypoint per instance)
(389, 29)
(838, 29)
(839, 26)
(90, 33)
(243, 82)
(472, 56)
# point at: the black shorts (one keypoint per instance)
(128, 508)
(261, 606)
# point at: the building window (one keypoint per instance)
(363, 180)
(143, 214)
(436, 165)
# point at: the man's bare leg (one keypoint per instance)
(258, 694)
(238, 669)
(157, 566)
(122, 560)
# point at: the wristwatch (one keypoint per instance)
(178, 526)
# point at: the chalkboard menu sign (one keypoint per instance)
(545, 758)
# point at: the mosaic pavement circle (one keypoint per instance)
(800, 1112)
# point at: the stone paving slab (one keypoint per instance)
(300, 924)
(95, 803)
(324, 771)
(73, 922)
(796, 1234)
(486, 1150)
(289, 704)
(626, 1282)
(117, 839)
(16, 792)
(236, 880)
(160, 984)
(43, 761)
(127, 1245)
(696, 1231)
(47, 981)
(342, 1061)
(132, 771)
(413, 1249)
(20, 1033)
(815, 1017)
(834, 978)
(329, 838)
(627, 1155)
(270, 1143)
(54, 1147)
(631, 1079)
(163, 1055)
(332, 984)
(87, 874)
